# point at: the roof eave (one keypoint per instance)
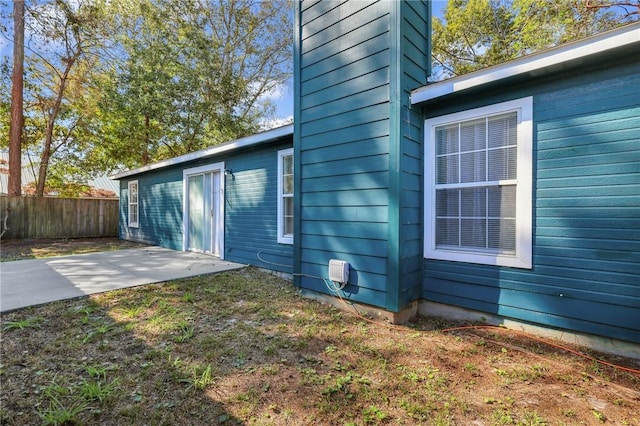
(246, 142)
(537, 63)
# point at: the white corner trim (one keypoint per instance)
(623, 36)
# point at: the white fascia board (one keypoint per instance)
(245, 142)
(623, 36)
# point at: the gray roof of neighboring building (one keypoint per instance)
(30, 171)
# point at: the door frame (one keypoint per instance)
(219, 224)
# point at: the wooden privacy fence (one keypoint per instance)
(52, 217)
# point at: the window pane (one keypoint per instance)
(288, 215)
(474, 202)
(473, 233)
(473, 167)
(447, 232)
(447, 202)
(447, 169)
(287, 164)
(288, 184)
(288, 226)
(473, 135)
(502, 234)
(475, 177)
(502, 130)
(502, 201)
(133, 193)
(447, 139)
(502, 164)
(288, 206)
(134, 214)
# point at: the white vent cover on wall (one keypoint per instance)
(339, 271)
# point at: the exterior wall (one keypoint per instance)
(406, 163)
(159, 209)
(251, 211)
(250, 208)
(353, 167)
(586, 236)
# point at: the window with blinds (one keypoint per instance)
(476, 176)
(474, 182)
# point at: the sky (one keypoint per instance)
(282, 97)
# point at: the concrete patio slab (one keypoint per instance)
(32, 282)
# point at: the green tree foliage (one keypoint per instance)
(194, 74)
(118, 83)
(475, 34)
(64, 39)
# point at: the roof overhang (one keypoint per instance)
(246, 142)
(535, 65)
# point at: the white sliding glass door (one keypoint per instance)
(203, 219)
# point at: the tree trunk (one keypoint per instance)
(17, 117)
(53, 115)
(145, 153)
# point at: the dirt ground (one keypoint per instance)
(36, 248)
(244, 348)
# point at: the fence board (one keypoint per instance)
(53, 217)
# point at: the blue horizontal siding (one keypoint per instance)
(251, 227)
(250, 208)
(352, 197)
(373, 180)
(346, 150)
(375, 265)
(335, 21)
(412, 51)
(325, 44)
(362, 133)
(343, 114)
(345, 73)
(332, 104)
(373, 297)
(344, 121)
(360, 156)
(552, 310)
(335, 64)
(586, 242)
(357, 165)
(159, 209)
(366, 213)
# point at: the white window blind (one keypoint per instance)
(479, 183)
(476, 173)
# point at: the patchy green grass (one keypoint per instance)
(243, 347)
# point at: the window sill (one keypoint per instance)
(523, 262)
(285, 240)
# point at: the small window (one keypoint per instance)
(133, 204)
(285, 196)
(478, 185)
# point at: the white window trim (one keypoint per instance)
(282, 237)
(522, 256)
(131, 223)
